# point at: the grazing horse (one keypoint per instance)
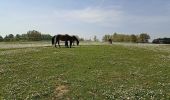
(110, 41)
(56, 39)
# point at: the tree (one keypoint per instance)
(9, 37)
(106, 38)
(1, 38)
(114, 37)
(6, 38)
(81, 39)
(18, 37)
(46, 37)
(133, 38)
(24, 37)
(34, 35)
(95, 38)
(144, 38)
(126, 38)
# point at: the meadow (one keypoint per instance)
(99, 71)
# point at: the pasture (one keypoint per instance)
(87, 72)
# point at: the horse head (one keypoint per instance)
(75, 39)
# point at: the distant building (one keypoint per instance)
(161, 41)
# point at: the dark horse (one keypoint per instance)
(110, 41)
(56, 39)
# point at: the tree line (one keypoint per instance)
(29, 36)
(141, 38)
(38, 36)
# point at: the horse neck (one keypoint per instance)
(75, 39)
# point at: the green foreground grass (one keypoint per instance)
(86, 72)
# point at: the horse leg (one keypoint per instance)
(71, 43)
(66, 44)
(59, 44)
(55, 44)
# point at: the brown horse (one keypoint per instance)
(56, 39)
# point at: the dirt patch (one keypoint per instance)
(61, 91)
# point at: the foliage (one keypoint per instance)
(85, 72)
(95, 38)
(143, 37)
(133, 38)
(34, 35)
(30, 36)
(24, 37)
(81, 39)
(9, 37)
(18, 37)
(107, 37)
(1, 38)
(46, 37)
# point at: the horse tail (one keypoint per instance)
(53, 40)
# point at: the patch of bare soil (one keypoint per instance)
(60, 92)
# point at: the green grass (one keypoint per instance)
(85, 72)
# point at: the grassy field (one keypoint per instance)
(87, 72)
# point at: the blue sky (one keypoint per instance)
(86, 18)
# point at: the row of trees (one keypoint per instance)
(29, 36)
(37, 36)
(141, 38)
